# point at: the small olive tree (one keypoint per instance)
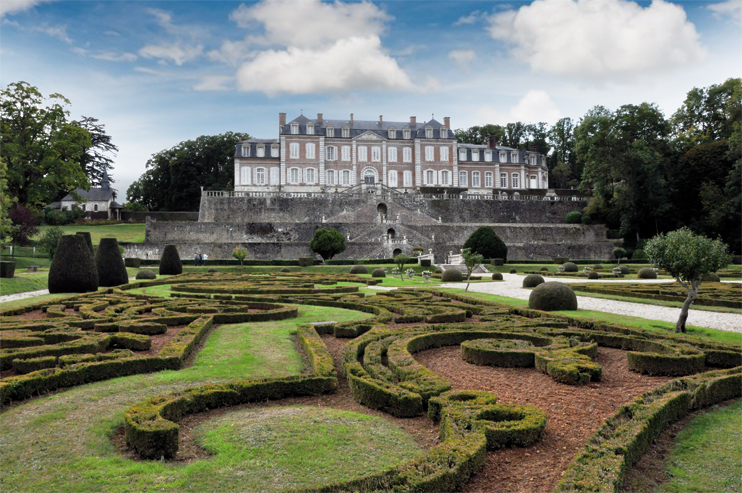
(687, 257)
(327, 242)
(399, 261)
(240, 254)
(471, 260)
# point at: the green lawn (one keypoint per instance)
(132, 232)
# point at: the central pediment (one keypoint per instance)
(369, 136)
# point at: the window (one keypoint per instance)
(293, 175)
(363, 154)
(474, 155)
(406, 133)
(330, 153)
(429, 153)
(245, 150)
(445, 178)
(95, 208)
(310, 129)
(330, 132)
(294, 150)
(245, 178)
(260, 176)
(503, 157)
(430, 177)
(488, 179)
(392, 178)
(503, 180)
(444, 133)
(407, 177)
(462, 179)
(515, 180)
(462, 154)
(310, 151)
(309, 175)
(444, 154)
(294, 128)
(407, 154)
(533, 160)
(346, 153)
(261, 151)
(392, 133)
(513, 157)
(346, 132)
(275, 173)
(376, 154)
(392, 154)
(274, 150)
(475, 182)
(84, 207)
(488, 156)
(345, 177)
(428, 133)
(330, 176)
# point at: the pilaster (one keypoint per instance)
(418, 166)
(282, 171)
(321, 156)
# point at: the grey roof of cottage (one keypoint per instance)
(95, 194)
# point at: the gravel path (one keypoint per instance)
(23, 296)
(511, 286)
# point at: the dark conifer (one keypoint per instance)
(73, 267)
(170, 263)
(110, 265)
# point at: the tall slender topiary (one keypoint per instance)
(485, 242)
(110, 265)
(73, 267)
(88, 241)
(170, 263)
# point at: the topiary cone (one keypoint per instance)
(170, 263)
(88, 240)
(73, 267)
(110, 265)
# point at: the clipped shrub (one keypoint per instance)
(7, 269)
(286, 269)
(146, 274)
(574, 217)
(359, 269)
(498, 261)
(378, 273)
(639, 255)
(73, 267)
(110, 265)
(623, 269)
(710, 277)
(212, 269)
(513, 271)
(586, 219)
(593, 275)
(305, 261)
(132, 262)
(570, 267)
(597, 267)
(560, 260)
(646, 273)
(425, 262)
(619, 253)
(532, 280)
(552, 296)
(170, 263)
(497, 276)
(485, 242)
(544, 269)
(452, 275)
(88, 240)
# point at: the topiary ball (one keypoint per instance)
(452, 275)
(544, 269)
(378, 273)
(552, 296)
(110, 265)
(211, 269)
(359, 269)
(146, 274)
(711, 277)
(497, 276)
(532, 280)
(73, 267)
(513, 271)
(623, 269)
(597, 267)
(646, 273)
(286, 269)
(170, 263)
(593, 275)
(570, 267)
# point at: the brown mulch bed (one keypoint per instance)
(574, 413)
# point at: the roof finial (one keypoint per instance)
(302, 112)
(433, 116)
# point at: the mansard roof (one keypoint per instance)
(358, 127)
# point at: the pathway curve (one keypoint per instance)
(512, 288)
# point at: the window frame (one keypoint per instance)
(245, 175)
(488, 179)
(331, 153)
(375, 154)
(406, 133)
(488, 156)
(429, 153)
(407, 178)
(503, 179)
(407, 154)
(462, 152)
(294, 177)
(330, 132)
(345, 132)
(429, 176)
(260, 150)
(475, 155)
(310, 128)
(362, 154)
(463, 182)
(294, 152)
(444, 154)
(443, 133)
(310, 154)
(515, 179)
(392, 132)
(345, 152)
(392, 182)
(330, 177)
(260, 176)
(294, 129)
(428, 132)
(391, 154)
(245, 151)
(307, 178)
(445, 179)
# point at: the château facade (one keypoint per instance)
(337, 155)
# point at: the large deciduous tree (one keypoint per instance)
(174, 177)
(687, 257)
(41, 147)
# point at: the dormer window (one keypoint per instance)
(503, 157)
(513, 157)
(310, 129)
(294, 128)
(428, 133)
(462, 154)
(474, 155)
(488, 156)
(406, 133)
(274, 150)
(245, 151)
(346, 132)
(261, 150)
(444, 133)
(331, 132)
(392, 133)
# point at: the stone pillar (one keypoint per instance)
(497, 176)
(523, 180)
(383, 164)
(354, 160)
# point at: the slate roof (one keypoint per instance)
(95, 194)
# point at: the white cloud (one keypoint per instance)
(311, 23)
(178, 53)
(472, 18)
(535, 106)
(599, 39)
(111, 56)
(59, 32)
(356, 63)
(14, 6)
(462, 57)
(728, 8)
(214, 83)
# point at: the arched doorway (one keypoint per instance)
(397, 251)
(381, 209)
(390, 233)
(369, 176)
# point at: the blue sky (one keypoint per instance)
(158, 73)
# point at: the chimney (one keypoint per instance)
(351, 118)
(492, 141)
(381, 119)
(319, 117)
(282, 119)
(413, 121)
(447, 122)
